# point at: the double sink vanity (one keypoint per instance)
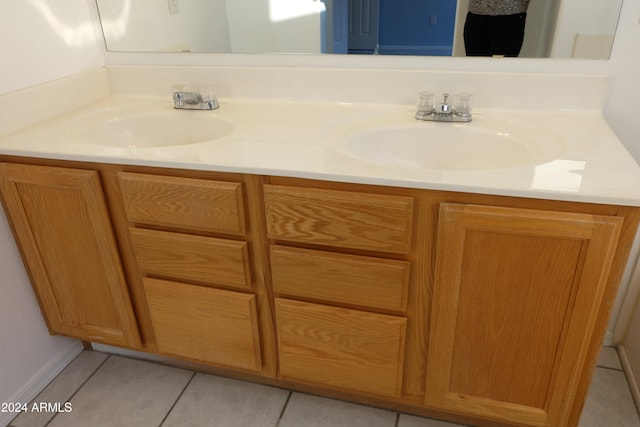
(463, 271)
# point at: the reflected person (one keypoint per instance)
(495, 27)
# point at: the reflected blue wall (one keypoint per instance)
(416, 27)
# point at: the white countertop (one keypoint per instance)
(286, 138)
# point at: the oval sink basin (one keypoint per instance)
(397, 139)
(149, 128)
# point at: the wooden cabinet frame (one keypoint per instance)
(425, 369)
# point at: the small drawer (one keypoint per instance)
(205, 324)
(344, 219)
(193, 258)
(185, 203)
(348, 279)
(344, 348)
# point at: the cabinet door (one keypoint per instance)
(205, 324)
(62, 225)
(516, 293)
(340, 347)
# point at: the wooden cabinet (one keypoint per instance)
(62, 225)
(206, 324)
(355, 280)
(198, 259)
(516, 293)
(188, 239)
(184, 203)
(343, 219)
(329, 326)
(340, 347)
(483, 310)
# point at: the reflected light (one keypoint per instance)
(283, 10)
(78, 35)
(115, 24)
(561, 175)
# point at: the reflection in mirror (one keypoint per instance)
(554, 28)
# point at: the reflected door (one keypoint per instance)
(363, 26)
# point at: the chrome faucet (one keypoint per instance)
(194, 101)
(444, 112)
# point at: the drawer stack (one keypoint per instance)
(340, 284)
(188, 238)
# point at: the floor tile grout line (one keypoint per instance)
(609, 368)
(80, 387)
(397, 419)
(284, 408)
(194, 373)
(52, 380)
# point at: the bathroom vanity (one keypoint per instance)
(483, 303)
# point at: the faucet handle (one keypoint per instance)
(208, 93)
(464, 103)
(444, 108)
(424, 102)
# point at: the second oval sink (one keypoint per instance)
(398, 140)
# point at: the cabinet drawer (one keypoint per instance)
(192, 204)
(204, 324)
(340, 347)
(339, 218)
(349, 279)
(185, 257)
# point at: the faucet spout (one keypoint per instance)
(444, 112)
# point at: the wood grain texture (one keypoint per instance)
(340, 347)
(515, 292)
(184, 203)
(580, 340)
(199, 259)
(259, 253)
(342, 219)
(205, 324)
(422, 258)
(61, 221)
(339, 278)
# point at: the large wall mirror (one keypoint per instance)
(554, 28)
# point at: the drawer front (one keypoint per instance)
(193, 258)
(339, 278)
(192, 204)
(339, 218)
(339, 347)
(205, 324)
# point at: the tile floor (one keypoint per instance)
(109, 390)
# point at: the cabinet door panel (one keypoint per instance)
(61, 222)
(196, 258)
(344, 219)
(205, 324)
(339, 347)
(340, 278)
(186, 203)
(516, 291)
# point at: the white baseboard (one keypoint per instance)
(42, 378)
(631, 378)
(608, 339)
